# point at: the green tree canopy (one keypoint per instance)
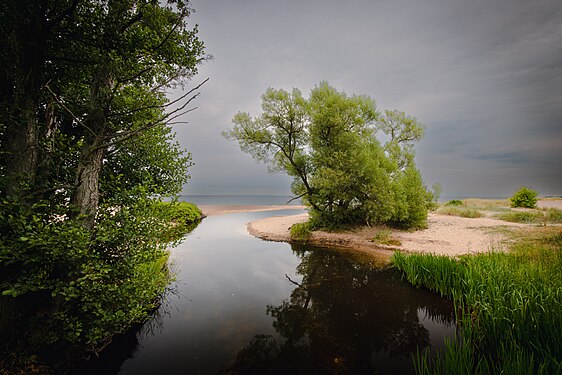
(86, 154)
(329, 144)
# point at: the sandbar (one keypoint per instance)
(445, 235)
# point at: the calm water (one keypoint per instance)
(244, 305)
(239, 199)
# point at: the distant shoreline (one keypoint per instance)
(221, 209)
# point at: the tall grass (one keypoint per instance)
(549, 215)
(460, 211)
(509, 308)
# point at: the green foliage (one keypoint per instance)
(384, 237)
(549, 215)
(86, 156)
(527, 217)
(328, 144)
(301, 231)
(554, 215)
(184, 216)
(471, 213)
(454, 202)
(525, 198)
(509, 308)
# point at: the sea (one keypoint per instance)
(246, 200)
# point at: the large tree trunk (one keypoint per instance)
(21, 84)
(86, 195)
(85, 198)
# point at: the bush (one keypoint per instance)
(301, 231)
(525, 198)
(183, 217)
(454, 202)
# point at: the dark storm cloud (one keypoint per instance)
(484, 76)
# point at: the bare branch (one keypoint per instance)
(295, 198)
(60, 102)
(164, 119)
(291, 281)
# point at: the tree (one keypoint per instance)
(524, 197)
(328, 144)
(87, 153)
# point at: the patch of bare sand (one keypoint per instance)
(445, 235)
(550, 203)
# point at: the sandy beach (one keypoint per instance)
(212, 209)
(445, 235)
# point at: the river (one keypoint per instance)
(244, 305)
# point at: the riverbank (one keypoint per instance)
(445, 235)
(215, 209)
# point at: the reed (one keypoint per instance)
(509, 308)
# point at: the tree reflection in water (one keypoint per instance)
(347, 315)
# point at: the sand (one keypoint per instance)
(445, 235)
(212, 210)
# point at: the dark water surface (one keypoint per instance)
(244, 305)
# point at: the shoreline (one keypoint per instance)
(222, 209)
(446, 235)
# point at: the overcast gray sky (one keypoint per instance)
(485, 77)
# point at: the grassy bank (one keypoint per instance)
(184, 216)
(509, 306)
(502, 210)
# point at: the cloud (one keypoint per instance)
(485, 77)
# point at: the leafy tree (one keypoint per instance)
(524, 197)
(328, 143)
(86, 153)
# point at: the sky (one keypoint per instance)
(483, 76)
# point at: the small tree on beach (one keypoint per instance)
(524, 197)
(328, 143)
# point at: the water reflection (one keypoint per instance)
(347, 315)
(244, 305)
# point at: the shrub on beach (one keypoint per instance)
(454, 202)
(524, 197)
(301, 231)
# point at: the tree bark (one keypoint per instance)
(85, 199)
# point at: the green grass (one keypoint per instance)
(509, 307)
(384, 237)
(301, 231)
(460, 211)
(183, 216)
(549, 215)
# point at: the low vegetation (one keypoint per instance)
(384, 237)
(184, 216)
(461, 211)
(541, 217)
(509, 306)
(301, 231)
(524, 198)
